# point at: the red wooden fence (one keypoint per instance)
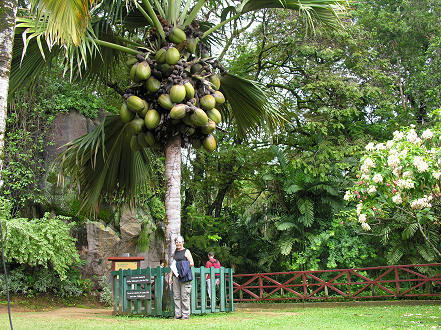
(397, 281)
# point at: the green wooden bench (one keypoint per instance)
(134, 291)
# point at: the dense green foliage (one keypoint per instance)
(41, 242)
(265, 203)
(398, 194)
(29, 119)
(29, 281)
(41, 256)
(339, 91)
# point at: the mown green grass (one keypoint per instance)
(348, 317)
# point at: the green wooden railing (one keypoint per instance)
(145, 291)
(220, 295)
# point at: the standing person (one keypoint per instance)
(212, 262)
(181, 281)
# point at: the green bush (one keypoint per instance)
(42, 242)
(33, 280)
(105, 291)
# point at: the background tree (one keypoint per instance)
(405, 34)
(398, 194)
(7, 17)
(113, 175)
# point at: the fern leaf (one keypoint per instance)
(409, 231)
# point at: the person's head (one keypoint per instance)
(210, 254)
(161, 262)
(179, 241)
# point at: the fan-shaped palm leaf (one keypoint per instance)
(327, 12)
(103, 165)
(67, 20)
(249, 104)
(25, 66)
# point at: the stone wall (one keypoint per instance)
(102, 241)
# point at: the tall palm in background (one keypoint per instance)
(7, 17)
(92, 35)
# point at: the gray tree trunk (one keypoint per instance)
(8, 11)
(172, 195)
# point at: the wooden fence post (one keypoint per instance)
(222, 289)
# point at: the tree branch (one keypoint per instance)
(427, 239)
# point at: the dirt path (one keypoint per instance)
(61, 313)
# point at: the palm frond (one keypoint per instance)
(112, 11)
(249, 105)
(102, 164)
(395, 254)
(426, 252)
(184, 12)
(99, 64)
(286, 244)
(306, 208)
(194, 12)
(25, 66)
(409, 231)
(285, 225)
(75, 56)
(65, 22)
(328, 12)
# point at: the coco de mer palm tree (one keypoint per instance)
(178, 96)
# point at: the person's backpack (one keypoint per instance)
(215, 264)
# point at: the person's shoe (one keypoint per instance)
(178, 317)
(185, 318)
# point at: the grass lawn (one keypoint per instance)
(383, 316)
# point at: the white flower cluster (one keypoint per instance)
(389, 144)
(367, 164)
(420, 164)
(393, 159)
(405, 184)
(359, 207)
(396, 171)
(362, 219)
(370, 146)
(347, 196)
(421, 203)
(397, 199)
(371, 190)
(407, 174)
(427, 134)
(380, 146)
(437, 175)
(398, 135)
(377, 178)
(412, 136)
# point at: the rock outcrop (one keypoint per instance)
(102, 241)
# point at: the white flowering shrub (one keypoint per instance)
(401, 175)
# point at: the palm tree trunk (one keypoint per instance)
(7, 19)
(172, 195)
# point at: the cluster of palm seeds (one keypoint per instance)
(175, 91)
